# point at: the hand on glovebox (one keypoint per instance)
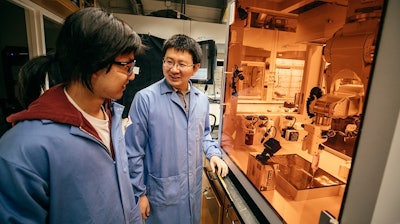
(222, 168)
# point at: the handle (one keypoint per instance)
(211, 176)
(227, 215)
(206, 191)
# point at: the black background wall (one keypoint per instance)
(150, 64)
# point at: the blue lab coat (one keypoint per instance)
(165, 150)
(60, 172)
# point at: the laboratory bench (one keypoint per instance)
(286, 204)
(286, 209)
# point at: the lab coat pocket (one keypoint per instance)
(165, 191)
(136, 216)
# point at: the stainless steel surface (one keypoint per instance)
(212, 207)
(234, 208)
(295, 179)
(236, 201)
(230, 216)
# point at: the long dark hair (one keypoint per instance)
(90, 39)
(33, 77)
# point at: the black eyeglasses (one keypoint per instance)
(125, 64)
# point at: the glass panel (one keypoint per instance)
(294, 136)
(51, 30)
(251, 80)
(288, 79)
(14, 53)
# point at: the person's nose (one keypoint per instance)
(132, 76)
(175, 68)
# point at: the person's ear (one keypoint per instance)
(196, 67)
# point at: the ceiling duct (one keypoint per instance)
(169, 13)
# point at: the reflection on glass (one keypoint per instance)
(252, 84)
(288, 79)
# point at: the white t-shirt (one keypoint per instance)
(101, 126)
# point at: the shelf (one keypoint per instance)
(62, 8)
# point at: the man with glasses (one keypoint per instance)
(170, 131)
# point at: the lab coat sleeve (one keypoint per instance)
(136, 138)
(24, 196)
(210, 146)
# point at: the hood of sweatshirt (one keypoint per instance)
(54, 105)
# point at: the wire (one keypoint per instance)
(205, 88)
(267, 133)
(294, 122)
